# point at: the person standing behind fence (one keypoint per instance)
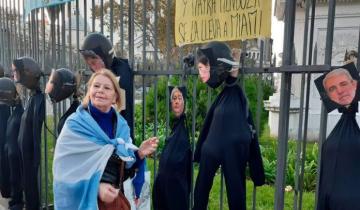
(27, 72)
(228, 137)
(98, 52)
(93, 148)
(172, 184)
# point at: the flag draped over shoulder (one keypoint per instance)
(81, 154)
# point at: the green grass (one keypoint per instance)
(264, 195)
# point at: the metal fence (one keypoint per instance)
(52, 36)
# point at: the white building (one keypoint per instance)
(346, 36)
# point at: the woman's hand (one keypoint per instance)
(148, 147)
(107, 193)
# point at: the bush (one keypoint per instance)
(203, 94)
(268, 151)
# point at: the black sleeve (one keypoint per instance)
(256, 167)
(122, 68)
(204, 132)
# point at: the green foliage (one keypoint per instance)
(268, 152)
(203, 98)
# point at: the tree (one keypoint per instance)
(164, 19)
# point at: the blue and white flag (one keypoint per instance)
(81, 154)
(34, 4)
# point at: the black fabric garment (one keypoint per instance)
(29, 142)
(4, 185)
(14, 158)
(172, 184)
(228, 139)
(120, 67)
(74, 105)
(339, 175)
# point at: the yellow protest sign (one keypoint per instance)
(199, 21)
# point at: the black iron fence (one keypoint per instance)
(143, 32)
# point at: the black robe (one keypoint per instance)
(172, 184)
(340, 172)
(14, 157)
(120, 67)
(74, 105)
(228, 138)
(4, 185)
(29, 142)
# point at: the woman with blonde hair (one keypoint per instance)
(94, 152)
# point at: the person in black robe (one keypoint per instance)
(339, 170)
(98, 53)
(172, 184)
(27, 72)
(4, 115)
(10, 97)
(61, 85)
(228, 137)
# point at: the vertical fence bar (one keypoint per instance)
(102, 16)
(85, 17)
(63, 36)
(93, 15)
(259, 99)
(358, 52)
(112, 21)
(307, 101)
(8, 34)
(14, 26)
(193, 130)
(155, 119)
(290, 7)
(144, 22)
(1, 34)
(20, 20)
(122, 27)
(328, 56)
(131, 31)
(70, 34)
(77, 36)
(301, 111)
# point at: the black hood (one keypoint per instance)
(219, 71)
(98, 44)
(28, 71)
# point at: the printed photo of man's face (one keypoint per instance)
(340, 86)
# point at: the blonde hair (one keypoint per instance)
(107, 73)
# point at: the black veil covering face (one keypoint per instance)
(61, 85)
(11, 169)
(28, 74)
(227, 138)
(219, 71)
(339, 170)
(172, 183)
(330, 104)
(4, 115)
